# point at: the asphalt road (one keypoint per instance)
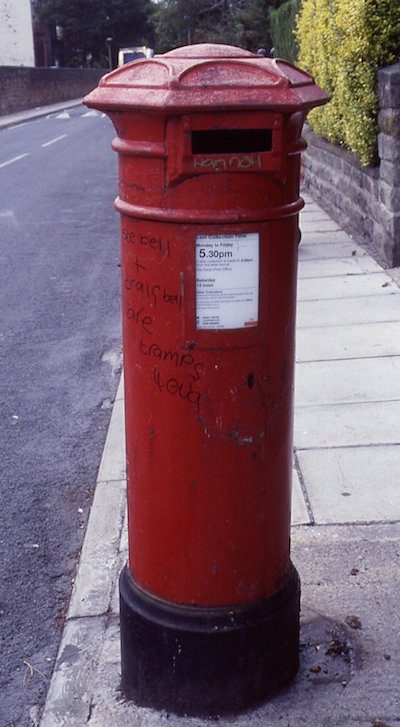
(59, 357)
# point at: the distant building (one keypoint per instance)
(16, 46)
(47, 40)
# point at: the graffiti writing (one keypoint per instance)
(153, 292)
(141, 318)
(181, 359)
(222, 164)
(159, 244)
(175, 387)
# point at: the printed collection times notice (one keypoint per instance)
(227, 280)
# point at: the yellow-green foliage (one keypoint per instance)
(342, 44)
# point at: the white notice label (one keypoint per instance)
(227, 280)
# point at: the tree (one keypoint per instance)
(252, 24)
(283, 23)
(84, 25)
(182, 22)
(239, 22)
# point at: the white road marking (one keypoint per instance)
(10, 216)
(53, 141)
(15, 126)
(14, 159)
(90, 113)
(63, 115)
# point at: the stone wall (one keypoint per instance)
(365, 200)
(25, 88)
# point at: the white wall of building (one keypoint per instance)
(16, 37)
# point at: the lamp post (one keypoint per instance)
(189, 31)
(108, 44)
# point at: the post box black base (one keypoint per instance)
(207, 661)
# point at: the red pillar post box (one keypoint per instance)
(209, 144)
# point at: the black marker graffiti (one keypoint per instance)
(160, 244)
(175, 387)
(155, 293)
(141, 318)
(178, 358)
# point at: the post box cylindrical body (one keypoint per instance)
(208, 139)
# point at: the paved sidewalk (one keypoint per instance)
(346, 513)
(20, 117)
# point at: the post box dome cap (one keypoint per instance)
(207, 50)
(207, 77)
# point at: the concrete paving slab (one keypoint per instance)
(122, 559)
(344, 425)
(327, 237)
(355, 341)
(70, 693)
(114, 603)
(312, 210)
(347, 678)
(360, 484)
(121, 388)
(367, 309)
(348, 381)
(300, 514)
(112, 465)
(311, 213)
(98, 562)
(319, 224)
(353, 265)
(346, 249)
(345, 286)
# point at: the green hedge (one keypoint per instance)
(342, 44)
(282, 27)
